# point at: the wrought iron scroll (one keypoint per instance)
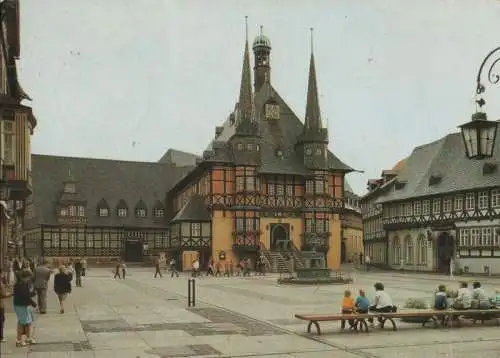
(493, 76)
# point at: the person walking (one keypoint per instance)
(123, 266)
(78, 273)
(62, 286)
(41, 280)
(117, 270)
(84, 266)
(23, 304)
(157, 268)
(173, 269)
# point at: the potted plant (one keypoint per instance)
(415, 304)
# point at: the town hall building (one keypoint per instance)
(266, 183)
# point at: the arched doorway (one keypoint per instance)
(343, 252)
(445, 250)
(280, 236)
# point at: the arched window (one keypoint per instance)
(396, 251)
(422, 249)
(409, 248)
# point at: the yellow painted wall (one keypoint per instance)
(295, 230)
(222, 237)
(353, 243)
(333, 255)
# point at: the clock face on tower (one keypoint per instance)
(272, 111)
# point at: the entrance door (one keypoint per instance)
(133, 251)
(445, 251)
(280, 236)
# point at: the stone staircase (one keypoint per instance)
(282, 261)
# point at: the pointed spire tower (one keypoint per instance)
(313, 142)
(246, 138)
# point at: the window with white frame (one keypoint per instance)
(401, 209)
(81, 210)
(436, 206)
(158, 212)
(475, 236)
(416, 208)
(280, 190)
(495, 198)
(482, 200)
(103, 212)
(271, 189)
(408, 209)
(447, 205)
(464, 238)
(309, 187)
(459, 203)
(496, 237)
(122, 212)
(409, 250)
(470, 202)
(396, 251)
(486, 236)
(140, 213)
(426, 207)
(422, 250)
(320, 186)
(196, 229)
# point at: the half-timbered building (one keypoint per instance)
(17, 124)
(444, 207)
(374, 235)
(266, 182)
(100, 209)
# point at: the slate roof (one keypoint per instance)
(446, 158)
(283, 133)
(194, 210)
(105, 181)
(179, 158)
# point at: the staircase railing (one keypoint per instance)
(297, 256)
(266, 255)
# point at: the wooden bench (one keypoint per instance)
(439, 318)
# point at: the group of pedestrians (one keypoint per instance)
(24, 284)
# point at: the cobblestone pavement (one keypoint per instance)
(235, 317)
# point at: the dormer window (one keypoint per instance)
(63, 212)
(158, 213)
(140, 213)
(122, 212)
(435, 179)
(398, 185)
(103, 212)
(489, 168)
(240, 146)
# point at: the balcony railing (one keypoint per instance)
(246, 239)
(315, 240)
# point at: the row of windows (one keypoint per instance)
(72, 210)
(480, 237)
(374, 225)
(410, 252)
(250, 147)
(186, 229)
(123, 212)
(105, 240)
(247, 224)
(483, 200)
(317, 225)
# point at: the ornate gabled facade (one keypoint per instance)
(267, 182)
(16, 127)
(374, 235)
(443, 206)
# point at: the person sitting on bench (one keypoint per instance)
(382, 302)
(463, 300)
(348, 306)
(362, 303)
(440, 300)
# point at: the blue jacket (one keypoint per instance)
(440, 301)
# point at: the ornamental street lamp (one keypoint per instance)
(479, 134)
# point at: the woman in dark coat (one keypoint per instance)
(62, 286)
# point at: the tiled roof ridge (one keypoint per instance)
(51, 156)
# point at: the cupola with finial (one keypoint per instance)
(262, 65)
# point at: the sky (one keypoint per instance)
(124, 79)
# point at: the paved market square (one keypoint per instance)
(236, 317)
